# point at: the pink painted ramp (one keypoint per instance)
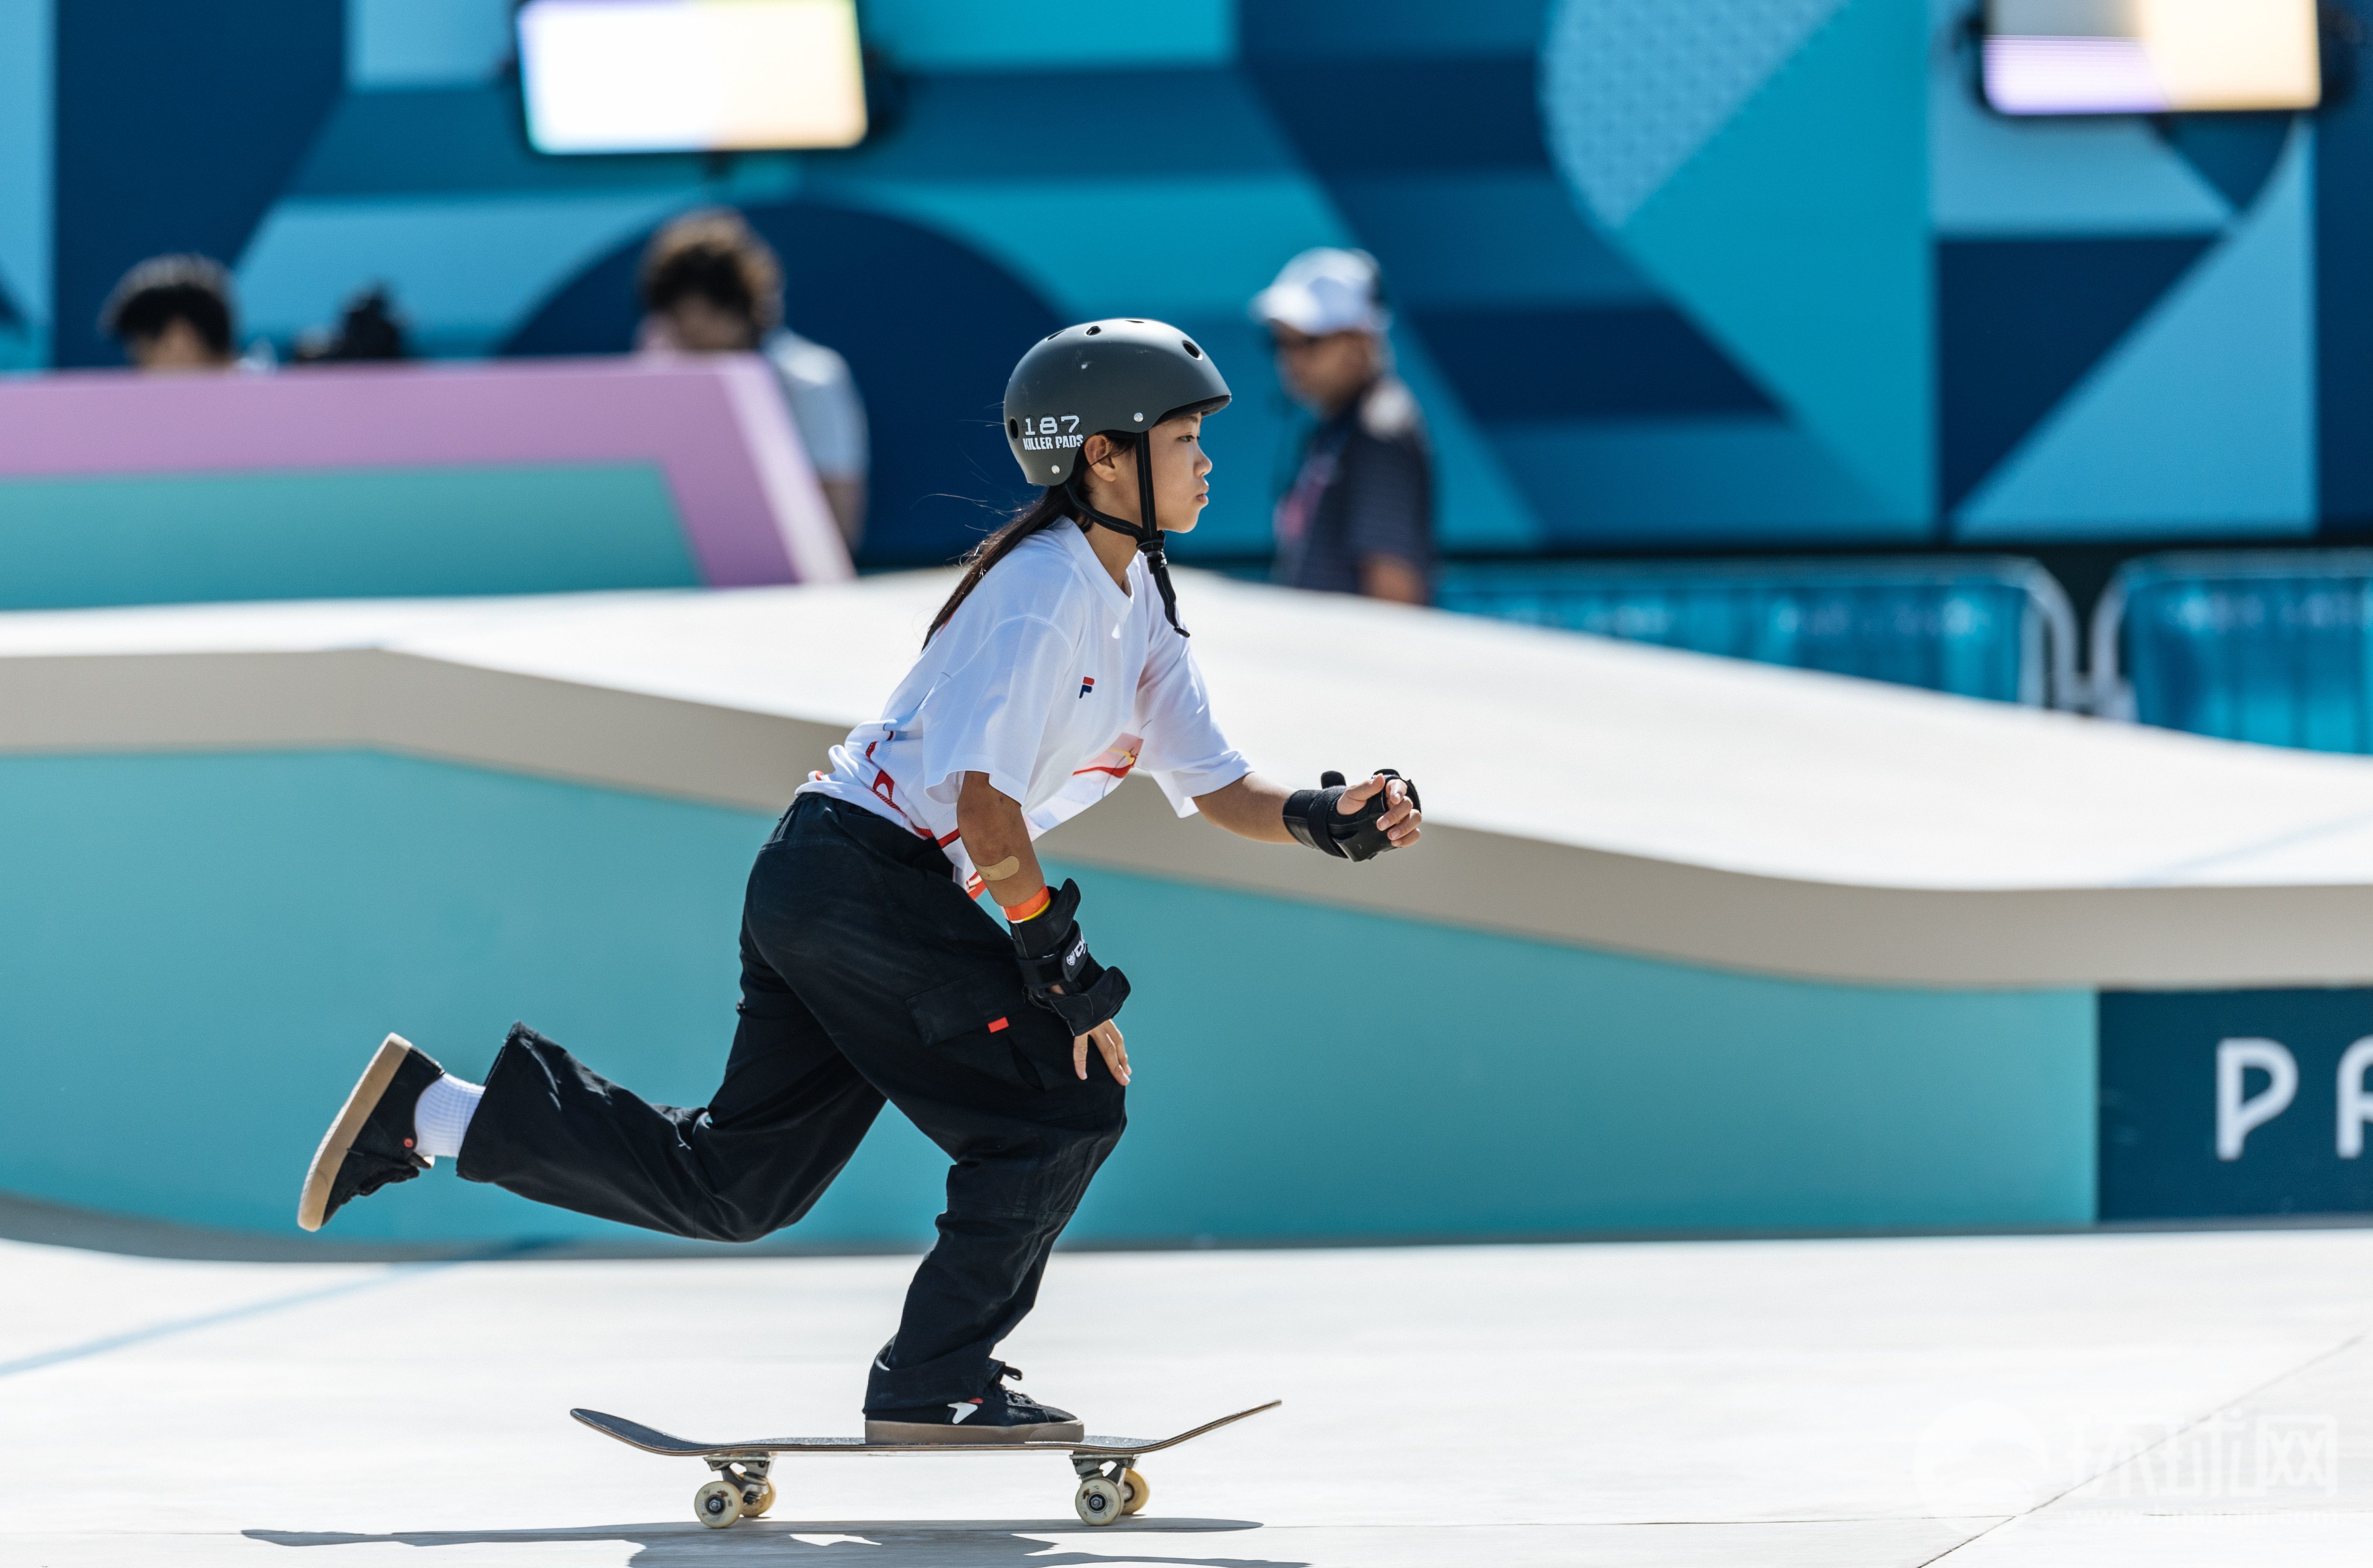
(716, 425)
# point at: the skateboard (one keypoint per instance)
(1110, 1487)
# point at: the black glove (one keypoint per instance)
(1052, 952)
(1310, 817)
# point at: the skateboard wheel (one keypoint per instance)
(765, 1499)
(1133, 1491)
(1099, 1501)
(716, 1505)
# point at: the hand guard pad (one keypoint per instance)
(1310, 818)
(1052, 952)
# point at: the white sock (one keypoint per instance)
(442, 1119)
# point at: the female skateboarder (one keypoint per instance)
(869, 972)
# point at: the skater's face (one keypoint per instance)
(1181, 486)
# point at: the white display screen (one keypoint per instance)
(690, 75)
(2150, 56)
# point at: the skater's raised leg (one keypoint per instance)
(790, 1113)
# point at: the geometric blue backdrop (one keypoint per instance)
(1685, 273)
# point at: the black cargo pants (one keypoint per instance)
(866, 975)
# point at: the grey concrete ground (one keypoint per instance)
(2166, 1400)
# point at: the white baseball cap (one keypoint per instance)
(1324, 291)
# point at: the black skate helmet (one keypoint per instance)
(1118, 378)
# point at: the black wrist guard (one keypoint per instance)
(1310, 818)
(1051, 952)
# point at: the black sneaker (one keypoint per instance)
(999, 1415)
(370, 1144)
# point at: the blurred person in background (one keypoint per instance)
(1359, 517)
(174, 313)
(368, 329)
(710, 285)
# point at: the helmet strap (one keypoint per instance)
(1147, 533)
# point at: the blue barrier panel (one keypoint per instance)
(1997, 629)
(2270, 648)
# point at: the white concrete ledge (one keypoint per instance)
(1578, 791)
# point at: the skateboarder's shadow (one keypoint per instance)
(907, 1543)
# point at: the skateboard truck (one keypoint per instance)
(742, 1490)
(1109, 1488)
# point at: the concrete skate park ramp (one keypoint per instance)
(1691, 945)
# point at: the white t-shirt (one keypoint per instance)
(1054, 683)
(824, 405)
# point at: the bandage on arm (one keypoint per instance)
(998, 839)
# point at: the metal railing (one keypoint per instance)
(2274, 646)
(1997, 627)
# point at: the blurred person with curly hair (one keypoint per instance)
(711, 285)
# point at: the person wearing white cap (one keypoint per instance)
(1359, 517)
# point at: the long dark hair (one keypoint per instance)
(1053, 506)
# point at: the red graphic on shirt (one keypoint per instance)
(883, 785)
(887, 787)
(1114, 761)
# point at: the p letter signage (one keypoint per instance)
(2235, 1102)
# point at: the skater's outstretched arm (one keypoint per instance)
(1254, 808)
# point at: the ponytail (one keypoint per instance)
(1054, 506)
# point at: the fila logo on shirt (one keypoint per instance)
(1087, 684)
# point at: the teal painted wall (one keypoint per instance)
(1055, 35)
(26, 29)
(1445, 1080)
(197, 952)
(426, 43)
(339, 533)
(419, 43)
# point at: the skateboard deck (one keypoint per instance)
(1109, 1484)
